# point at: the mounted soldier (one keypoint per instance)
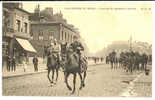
(55, 50)
(74, 62)
(77, 47)
(53, 59)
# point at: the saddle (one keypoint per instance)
(82, 62)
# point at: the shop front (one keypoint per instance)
(20, 48)
(23, 49)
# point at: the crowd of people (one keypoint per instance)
(10, 63)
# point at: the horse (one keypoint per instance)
(52, 65)
(71, 66)
(144, 60)
(107, 59)
(112, 60)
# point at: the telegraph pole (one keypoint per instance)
(130, 42)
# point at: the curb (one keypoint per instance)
(31, 73)
(127, 92)
(6, 77)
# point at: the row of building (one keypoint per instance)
(26, 33)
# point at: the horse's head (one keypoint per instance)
(63, 48)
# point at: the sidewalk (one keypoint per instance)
(30, 69)
(20, 71)
(141, 86)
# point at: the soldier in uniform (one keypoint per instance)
(113, 53)
(35, 62)
(55, 50)
(13, 64)
(77, 47)
(8, 62)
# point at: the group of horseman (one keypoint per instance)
(69, 58)
(129, 60)
(55, 50)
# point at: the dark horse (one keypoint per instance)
(52, 65)
(112, 59)
(71, 66)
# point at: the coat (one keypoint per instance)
(35, 60)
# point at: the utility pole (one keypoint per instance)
(130, 42)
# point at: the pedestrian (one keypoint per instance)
(24, 63)
(13, 64)
(8, 61)
(35, 62)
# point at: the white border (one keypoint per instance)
(81, 98)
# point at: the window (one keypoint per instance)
(40, 35)
(25, 27)
(51, 35)
(18, 25)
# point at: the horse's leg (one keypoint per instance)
(111, 65)
(57, 73)
(49, 70)
(66, 81)
(145, 66)
(84, 76)
(53, 75)
(81, 80)
(74, 83)
(115, 65)
(131, 68)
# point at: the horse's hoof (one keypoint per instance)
(80, 88)
(73, 92)
(52, 82)
(83, 85)
(70, 89)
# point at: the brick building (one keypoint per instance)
(45, 25)
(16, 28)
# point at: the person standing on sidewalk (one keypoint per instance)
(24, 63)
(13, 64)
(35, 62)
(8, 61)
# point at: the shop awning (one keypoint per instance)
(26, 45)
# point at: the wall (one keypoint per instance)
(23, 17)
(48, 29)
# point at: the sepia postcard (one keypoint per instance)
(77, 49)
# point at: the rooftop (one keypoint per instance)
(57, 22)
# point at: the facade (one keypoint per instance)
(16, 29)
(42, 33)
(49, 26)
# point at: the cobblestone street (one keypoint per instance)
(100, 81)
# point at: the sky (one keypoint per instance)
(99, 25)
